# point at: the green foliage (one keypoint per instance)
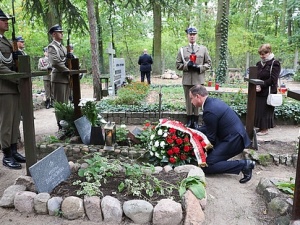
(121, 134)
(90, 110)
(65, 112)
(132, 94)
(51, 139)
(287, 187)
(138, 178)
(193, 183)
(147, 130)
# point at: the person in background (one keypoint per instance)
(145, 62)
(10, 110)
(268, 70)
(57, 54)
(21, 45)
(44, 65)
(193, 60)
(226, 133)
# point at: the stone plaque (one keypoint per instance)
(84, 126)
(50, 171)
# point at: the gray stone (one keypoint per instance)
(197, 171)
(54, 205)
(270, 193)
(263, 184)
(27, 181)
(92, 208)
(8, 197)
(50, 171)
(168, 168)
(167, 212)
(84, 127)
(139, 211)
(72, 208)
(184, 168)
(24, 201)
(111, 209)
(40, 203)
(278, 206)
(194, 213)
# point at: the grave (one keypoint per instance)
(50, 171)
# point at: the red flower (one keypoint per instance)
(176, 150)
(183, 157)
(169, 140)
(174, 137)
(148, 124)
(186, 148)
(179, 141)
(172, 160)
(170, 152)
(172, 130)
(186, 139)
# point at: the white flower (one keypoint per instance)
(160, 132)
(152, 136)
(165, 134)
(162, 144)
(156, 144)
(123, 126)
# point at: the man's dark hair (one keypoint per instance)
(200, 90)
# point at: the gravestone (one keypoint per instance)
(119, 71)
(50, 171)
(84, 126)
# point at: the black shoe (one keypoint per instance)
(11, 163)
(19, 158)
(247, 171)
(47, 104)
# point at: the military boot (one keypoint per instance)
(16, 155)
(9, 161)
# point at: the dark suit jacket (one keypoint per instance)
(145, 62)
(221, 123)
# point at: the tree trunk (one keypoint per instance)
(94, 49)
(100, 40)
(157, 38)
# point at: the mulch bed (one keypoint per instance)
(67, 188)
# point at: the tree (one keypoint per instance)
(157, 66)
(222, 40)
(94, 49)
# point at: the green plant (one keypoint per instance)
(287, 187)
(121, 133)
(98, 170)
(90, 110)
(51, 139)
(195, 184)
(65, 112)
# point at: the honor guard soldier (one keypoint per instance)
(57, 54)
(10, 112)
(21, 45)
(44, 65)
(193, 60)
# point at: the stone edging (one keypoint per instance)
(22, 196)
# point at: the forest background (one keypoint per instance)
(232, 30)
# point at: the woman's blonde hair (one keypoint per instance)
(264, 49)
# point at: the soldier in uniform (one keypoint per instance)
(44, 65)
(193, 72)
(21, 45)
(57, 54)
(10, 112)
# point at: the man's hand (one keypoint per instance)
(190, 65)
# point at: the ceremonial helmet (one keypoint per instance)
(20, 39)
(55, 28)
(3, 16)
(191, 30)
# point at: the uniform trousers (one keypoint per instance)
(61, 93)
(190, 109)
(48, 89)
(222, 151)
(10, 116)
(147, 74)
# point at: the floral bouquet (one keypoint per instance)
(174, 144)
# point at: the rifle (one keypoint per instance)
(13, 36)
(70, 55)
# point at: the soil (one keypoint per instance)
(229, 202)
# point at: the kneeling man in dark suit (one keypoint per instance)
(226, 132)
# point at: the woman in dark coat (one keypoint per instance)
(268, 70)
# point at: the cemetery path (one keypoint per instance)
(229, 202)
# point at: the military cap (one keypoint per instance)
(55, 28)
(20, 39)
(191, 30)
(3, 16)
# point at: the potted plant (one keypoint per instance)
(90, 111)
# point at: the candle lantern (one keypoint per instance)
(110, 136)
(104, 86)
